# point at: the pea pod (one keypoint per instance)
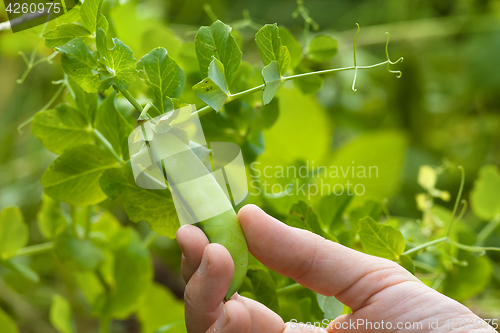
(203, 199)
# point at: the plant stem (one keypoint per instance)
(35, 249)
(423, 246)
(289, 289)
(131, 99)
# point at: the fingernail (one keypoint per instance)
(237, 297)
(205, 264)
(221, 321)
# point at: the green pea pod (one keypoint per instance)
(203, 199)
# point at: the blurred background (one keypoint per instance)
(444, 109)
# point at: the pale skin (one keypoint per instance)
(375, 289)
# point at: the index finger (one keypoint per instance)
(323, 266)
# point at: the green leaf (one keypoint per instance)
(80, 254)
(13, 232)
(65, 32)
(152, 314)
(331, 306)
(131, 272)
(7, 324)
(162, 74)
(272, 79)
(153, 206)
(74, 176)
(50, 219)
(264, 287)
(61, 128)
(322, 48)
(216, 41)
(111, 124)
(60, 315)
(117, 65)
(270, 47)
(213, 90)
(381, 240)
(485, 197)
(369, 208)
(302, 216)
(78, 63)
(90, 12)
(293, 46)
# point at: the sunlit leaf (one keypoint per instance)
(74, 176)
(162, 74)
(216, 41)
(7, 324)
(78, 62)
(61, 128)
(381, 240)
(63, 33)
(270, 48)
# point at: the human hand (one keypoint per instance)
(375, 289)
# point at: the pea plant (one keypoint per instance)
(107, 92)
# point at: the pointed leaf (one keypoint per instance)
(302, 216)
(162, 74)
(381, 240)
(78, 63)
(13, 232)
(272, 79)
(74, 176)
(85, 103)
(119, 63)
(61, 128)
(270, 47)
(64, 33)
(216, 41)
(213, 90)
